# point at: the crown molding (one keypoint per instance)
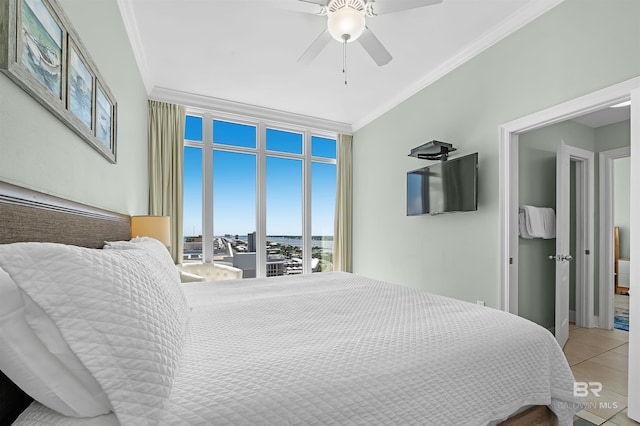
(238, 109)
(131, 26)
(508, 26)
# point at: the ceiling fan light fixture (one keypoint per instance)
(346, 23)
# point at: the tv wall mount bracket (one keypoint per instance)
(432, 150)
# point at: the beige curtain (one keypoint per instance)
(166, 152)
(343, 217)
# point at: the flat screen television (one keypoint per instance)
(445, 187)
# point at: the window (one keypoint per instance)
(278, 140)
(323, 205)
(234, 134)
(234, 210)
(192, 199)
(284, 216)
(193, 128)
(257, 197)
(323, 202)
(322, 147)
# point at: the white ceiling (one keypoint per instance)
(246, 51)
(604, 117)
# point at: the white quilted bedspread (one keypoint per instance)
(336, 348)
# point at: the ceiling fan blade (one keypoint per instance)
(374, 48)
(304, 6)
(381, 7)
(318, 2)
(316, 47)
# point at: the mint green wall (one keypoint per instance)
(576, 48)
(40, 152)
(613, 136)
(537, 187)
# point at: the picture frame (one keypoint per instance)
(80, 87)
(105, 111)
(42, 53)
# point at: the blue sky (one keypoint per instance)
(235, 182)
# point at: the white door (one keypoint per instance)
(562, 256)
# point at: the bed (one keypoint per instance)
(329, 348)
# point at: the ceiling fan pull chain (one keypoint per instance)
(344, 60)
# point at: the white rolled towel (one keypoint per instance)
(549, 220)
(522, 225)
(534, 220)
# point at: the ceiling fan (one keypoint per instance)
(346, 22)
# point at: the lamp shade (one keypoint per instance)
(158, 227)
(346, 24)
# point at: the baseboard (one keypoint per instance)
(572, 316)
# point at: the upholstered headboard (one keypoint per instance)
(27, 215)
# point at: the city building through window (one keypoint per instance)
(257, 196)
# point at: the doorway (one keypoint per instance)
(551, 170)
(591, 352)
(508, 204)
(608, 273)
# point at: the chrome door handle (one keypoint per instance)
(561, 257)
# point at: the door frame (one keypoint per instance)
(584, 180)
(634, 298)
(508, 173)
(606, 306)
(584, 226)
(585, 232)
(508, 204)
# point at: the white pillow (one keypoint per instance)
(160, 260)
(116, 311)
(152, 246)
(34, 355)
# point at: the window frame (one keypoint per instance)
(261, 153)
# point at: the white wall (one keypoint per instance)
(39, 152)
(574, 49)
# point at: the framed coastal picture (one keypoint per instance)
(42, 39)
(42, 53)
(80, 87)
(104, 117)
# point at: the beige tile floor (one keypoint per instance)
(597, 355)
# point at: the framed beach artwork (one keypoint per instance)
(42, 40)
(104, 117)
(80, 86)
(42, 53)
